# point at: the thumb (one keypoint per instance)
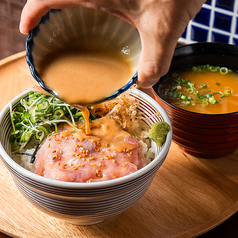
(155, 59)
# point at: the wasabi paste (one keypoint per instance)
(158, 132)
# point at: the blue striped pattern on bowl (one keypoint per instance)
(85, 203)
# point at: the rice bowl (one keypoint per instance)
(85, 203)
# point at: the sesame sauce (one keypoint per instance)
(85, 77)
(71, 155)
(104, 131)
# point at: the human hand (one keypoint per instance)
(160, 24)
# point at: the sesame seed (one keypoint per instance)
(128, 154)
(66, 138)
(54, 136)
(92, 164)
(62, 167)
(114, 161)
(103, 150)
(123, 165)
(58, 163)
(53, 151)
(122, 156)
(48, 138)
(72, 154)
(98, 171)
(48, 145)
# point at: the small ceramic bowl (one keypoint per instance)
(85, 203)
(81, 28)
(202, 135)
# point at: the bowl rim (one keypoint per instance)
(102, 184)
(177, 53)
(29, 45)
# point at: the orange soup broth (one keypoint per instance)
(228, 81)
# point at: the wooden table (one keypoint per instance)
(188, 196)
(11, 42)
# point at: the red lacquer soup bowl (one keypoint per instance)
(199, 134)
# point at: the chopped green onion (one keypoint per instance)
(212, 100)
(223, 70)
(59, 113)
(202, 97)
(43, 105)
(37, 115)
(227, 93)
(203, 86)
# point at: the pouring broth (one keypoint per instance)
(203, 89)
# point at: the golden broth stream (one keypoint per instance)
(81, 78)
(216, 82)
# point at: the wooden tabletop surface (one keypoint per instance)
(11, 42)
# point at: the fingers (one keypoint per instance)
(31, 15)
(160, 28)
(35, 9)
(158, 44)
(154, 60)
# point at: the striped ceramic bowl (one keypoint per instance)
(85, 203)
(81, 28)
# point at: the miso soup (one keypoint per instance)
(203, 89)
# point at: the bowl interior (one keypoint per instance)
(148, 106)
(187, 56)
(81, 29)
